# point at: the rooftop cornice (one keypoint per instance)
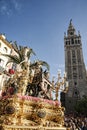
(6, 42)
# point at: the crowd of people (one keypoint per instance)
(74, 122)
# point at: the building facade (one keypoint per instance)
(5, 48)
(75, 68)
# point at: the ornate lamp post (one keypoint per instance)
(61, 85)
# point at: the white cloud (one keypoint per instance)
(16, 4)
(5, 11)
(3, 8)
(8, 7)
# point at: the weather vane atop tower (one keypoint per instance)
(70, 21)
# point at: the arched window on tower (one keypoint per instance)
(74, 75)
(74, 69)
(71, 33)
(74, 61)
(73, 57)
(72, 41)
(76, 41)
(66, 42)
(69, 73)
(73, 53)
(79, 42)
(80, 72)
(78, 56)
(68, 57)
(76, 93)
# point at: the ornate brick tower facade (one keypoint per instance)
(75, 68)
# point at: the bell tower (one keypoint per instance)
(75, 67)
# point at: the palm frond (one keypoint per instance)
(18, 49)
(30, 52)
(33, 65)
(10, 61)
(21, 53)
(15, 47)
(14, 59)
(40, 62)
(44, 63)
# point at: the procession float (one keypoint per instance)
(26, 101)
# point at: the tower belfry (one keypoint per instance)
(74, 66)
(71, 29)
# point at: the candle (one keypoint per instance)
(67, 83)
(65, 74)
(59, 72)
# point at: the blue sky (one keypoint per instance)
(40, 24)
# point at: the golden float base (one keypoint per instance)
(12, 127)
(31, 113)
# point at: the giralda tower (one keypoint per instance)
(75, 67)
